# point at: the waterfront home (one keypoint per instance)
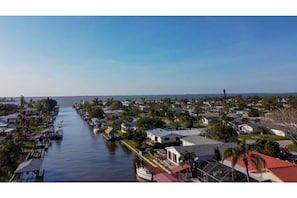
(164, 135)
(110, 134)
(204, 151)
(10, 119)
(276, 170)
(197, 140)
(125, 126)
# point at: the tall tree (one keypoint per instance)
(241, 151)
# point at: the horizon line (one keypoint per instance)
(180, 94)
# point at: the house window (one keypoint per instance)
(167, 139)
(177, 139)
(169, 155)
(156, 139)
(174, 158)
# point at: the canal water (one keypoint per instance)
(82, 156)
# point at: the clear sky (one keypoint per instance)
(69, 56)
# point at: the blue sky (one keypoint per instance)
(58, 56)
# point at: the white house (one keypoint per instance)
(197, 140)
(248, 128)
(203, 152)
(163, 135)
(209, 117)
(126, 126)
(278, 132)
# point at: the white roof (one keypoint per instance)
(163, 132)
(29, 165)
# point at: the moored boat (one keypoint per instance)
(59, 133)
(143, 173)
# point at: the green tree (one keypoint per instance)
(217, 155)
(146, 123)
(6, 109)
(10, 153)
(222, 132)
(116, 105)
(96, 112)
(267, 147)
(254, 113)
(187, 157)
(241, 151)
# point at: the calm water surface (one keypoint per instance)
(83, 156)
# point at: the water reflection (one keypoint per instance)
(82, 156)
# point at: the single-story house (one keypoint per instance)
(203, 152)
(161, 136)
(127, 125)
(276, 170)
(278, 132)
(164, 135)
(10, 119)
(197, 140)
(248, 128)
(207, 118)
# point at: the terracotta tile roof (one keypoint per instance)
(165, 177)
(286, 174)
(271, 162)
(180, 168)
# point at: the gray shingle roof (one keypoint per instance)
(205, 150)
(200, 140)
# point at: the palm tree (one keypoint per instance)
(241, 151)
(96, 101)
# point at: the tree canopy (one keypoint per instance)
(146, 123)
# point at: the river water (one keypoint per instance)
(83, 156)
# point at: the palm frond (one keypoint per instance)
(258, 162)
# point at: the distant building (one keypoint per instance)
(127, 125)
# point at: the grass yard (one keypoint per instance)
(292, 147)
(264, 136)
(28, 146)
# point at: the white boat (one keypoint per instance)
(96, 129)
(143, 173)
(59, 133)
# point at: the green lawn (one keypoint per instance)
(120, 133)
(28, 146)
(264, 136)
(292, 147)
(131, 143)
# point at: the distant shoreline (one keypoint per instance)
(172, 95)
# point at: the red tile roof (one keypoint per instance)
(165, 177)
(180, 168)
(286, 174)
(271, 162)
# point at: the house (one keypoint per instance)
(276, 170)
(110, 134)
(164, 135)
(278, 132)
(197, 140)
(207, 118)
(10, 119)
(247, 128)
(127, 125)
(204, 151)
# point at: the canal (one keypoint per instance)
(82, 156)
